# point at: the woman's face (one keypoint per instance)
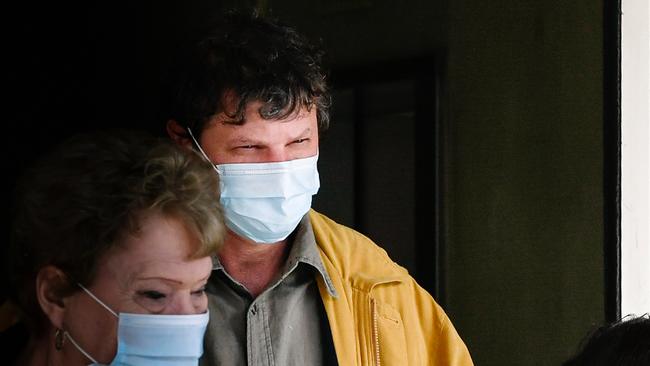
(149, 273)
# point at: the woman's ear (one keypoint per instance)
(178, 134)
(51, 283)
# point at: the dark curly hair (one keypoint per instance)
(622, 343)
(255, 59)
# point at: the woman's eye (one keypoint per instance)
(300, 141)
(152, 295)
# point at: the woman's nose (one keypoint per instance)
(183, 305)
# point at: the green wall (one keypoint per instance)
(525, 207)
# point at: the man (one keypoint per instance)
(290, 286)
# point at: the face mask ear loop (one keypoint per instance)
(196, 143)
(98, 300)
(67, 335)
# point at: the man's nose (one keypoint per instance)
(276, 154)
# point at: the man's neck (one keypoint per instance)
(253, 265)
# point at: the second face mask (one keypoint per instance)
(264, 202)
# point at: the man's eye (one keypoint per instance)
(300, 141)
(153, 295)
(199, 292)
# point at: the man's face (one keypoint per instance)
(258, 140)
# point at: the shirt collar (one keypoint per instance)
(303, 250)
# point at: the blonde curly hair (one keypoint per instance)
(85, 196)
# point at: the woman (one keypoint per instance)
(110, 252)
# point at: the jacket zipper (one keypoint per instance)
(375, 320)
(375, 332)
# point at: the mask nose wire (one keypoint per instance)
(198, 146)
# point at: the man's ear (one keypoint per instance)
(51, 283)
(178, 134)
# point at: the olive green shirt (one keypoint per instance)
(285, 325)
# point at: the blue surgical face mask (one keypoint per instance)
(152, 339)
(264, 202)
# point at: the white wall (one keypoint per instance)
(635, 210)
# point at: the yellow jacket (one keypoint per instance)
(381, 316)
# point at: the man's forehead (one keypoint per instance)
(230, 103)
(254, 110)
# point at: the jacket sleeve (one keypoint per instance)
(444, 344)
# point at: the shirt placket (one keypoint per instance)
(259, 347)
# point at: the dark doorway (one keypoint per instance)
(380, 161)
